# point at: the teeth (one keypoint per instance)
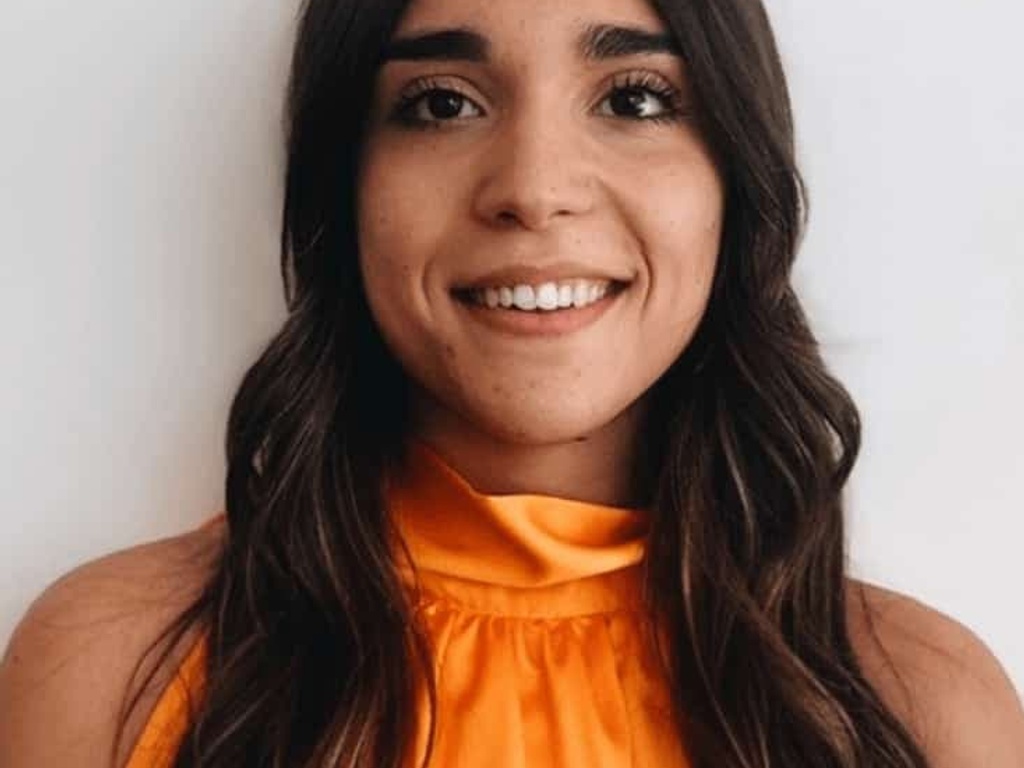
(523, 297)
(564, 296)
(580, 295)
(546, 297)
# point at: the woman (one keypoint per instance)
(544, 467)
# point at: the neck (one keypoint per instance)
(598, 467)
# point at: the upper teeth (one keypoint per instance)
(546, 296)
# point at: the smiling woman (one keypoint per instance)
(508, 171)
(544, 468)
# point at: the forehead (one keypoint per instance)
(527, 20)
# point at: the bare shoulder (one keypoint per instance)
(71, 659)
(938, 677)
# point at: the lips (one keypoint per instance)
(538, 324)
(549, 297)
(521, 274)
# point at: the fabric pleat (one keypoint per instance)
(541, 652)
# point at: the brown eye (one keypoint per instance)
(628, 102)
(435, 105)
(635, 102)
(642, 96)
(444, 105)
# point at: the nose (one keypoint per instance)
(535, 173)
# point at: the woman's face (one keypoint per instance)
(544, 155)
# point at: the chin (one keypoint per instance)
(544, 423)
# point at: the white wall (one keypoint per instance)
(139, 190)
(910, 120)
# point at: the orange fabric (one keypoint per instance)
(162, 734)
(532, 606)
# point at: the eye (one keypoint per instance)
(429, 104)
(642, 96)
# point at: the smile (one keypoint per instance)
(545, 297)
(548, 309)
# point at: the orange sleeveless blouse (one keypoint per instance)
(532, 606)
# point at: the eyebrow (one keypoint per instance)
(444, 45)
(608, 41)
(597, 42)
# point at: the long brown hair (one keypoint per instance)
(751, 443)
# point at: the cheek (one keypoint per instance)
(681, 231)
(387, 247)
(401, 189)
(403, 224)
(398, 227)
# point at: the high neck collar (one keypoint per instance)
(517, 540)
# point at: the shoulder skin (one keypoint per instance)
(70, 661)
(939, 678)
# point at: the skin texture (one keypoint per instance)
(70, 660)
(536, 169)
(542, 175)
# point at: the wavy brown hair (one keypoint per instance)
(313, 651)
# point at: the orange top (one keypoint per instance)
(532, 605)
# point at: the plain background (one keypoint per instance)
(140, 167)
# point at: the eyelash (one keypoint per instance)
(645, 82)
